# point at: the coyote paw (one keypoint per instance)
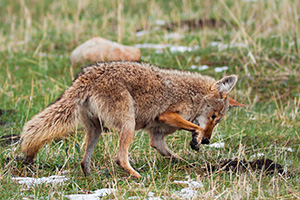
(194, 144)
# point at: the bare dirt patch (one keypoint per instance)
(263, 165)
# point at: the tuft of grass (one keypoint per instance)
(258, 40)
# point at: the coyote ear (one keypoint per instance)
(234, 103)
(226, 84)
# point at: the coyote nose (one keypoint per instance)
(205, 141)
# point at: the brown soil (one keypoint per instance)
(262, 165)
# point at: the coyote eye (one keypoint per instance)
(213, 116)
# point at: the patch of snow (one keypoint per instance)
(134, 197)
(221, 69)
(292, 43)
(282, 148)
(197, 59)
(252, 117)
(287, 149)
(151, 194)
(179, 48)
(182, 49)
(152, 46)
(158, 51)
(200, 68)
(189, 192)
(258, 155)
(42, 54)
(222, 46)
(190, 183)
(172, 48)
(160, 22)
(241, 45)
(95, 196)
(142, 33)
(217, 145)
(29, 181)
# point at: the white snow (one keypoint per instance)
(134, 197)
(190, 183)
(172, 48)
(152, 46)
(29, 181)
(221, 69)
(188, 192)
(95, 196)
(182, 49)
(200, 68)
(197, 59)
(142, 33)
(217, 145)
(257, 155)
(151, 194)
(288, 149)
(160, 22)
(222, 46)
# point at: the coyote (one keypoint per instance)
(129, 96)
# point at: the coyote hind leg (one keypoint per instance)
(92, 136)
(124, 121)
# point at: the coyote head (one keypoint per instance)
(215, 105)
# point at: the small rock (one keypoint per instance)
(99, 49)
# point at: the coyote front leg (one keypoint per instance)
(125, 138)
(175, 120)
(157, 141)
(124, 121)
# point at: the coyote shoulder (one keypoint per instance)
(129, 96)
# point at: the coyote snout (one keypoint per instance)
(205, 141)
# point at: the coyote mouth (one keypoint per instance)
(205, 141)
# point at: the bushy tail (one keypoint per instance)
(54, 122)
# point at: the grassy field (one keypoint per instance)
(258, 40)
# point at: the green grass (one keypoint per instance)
(37, 38)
